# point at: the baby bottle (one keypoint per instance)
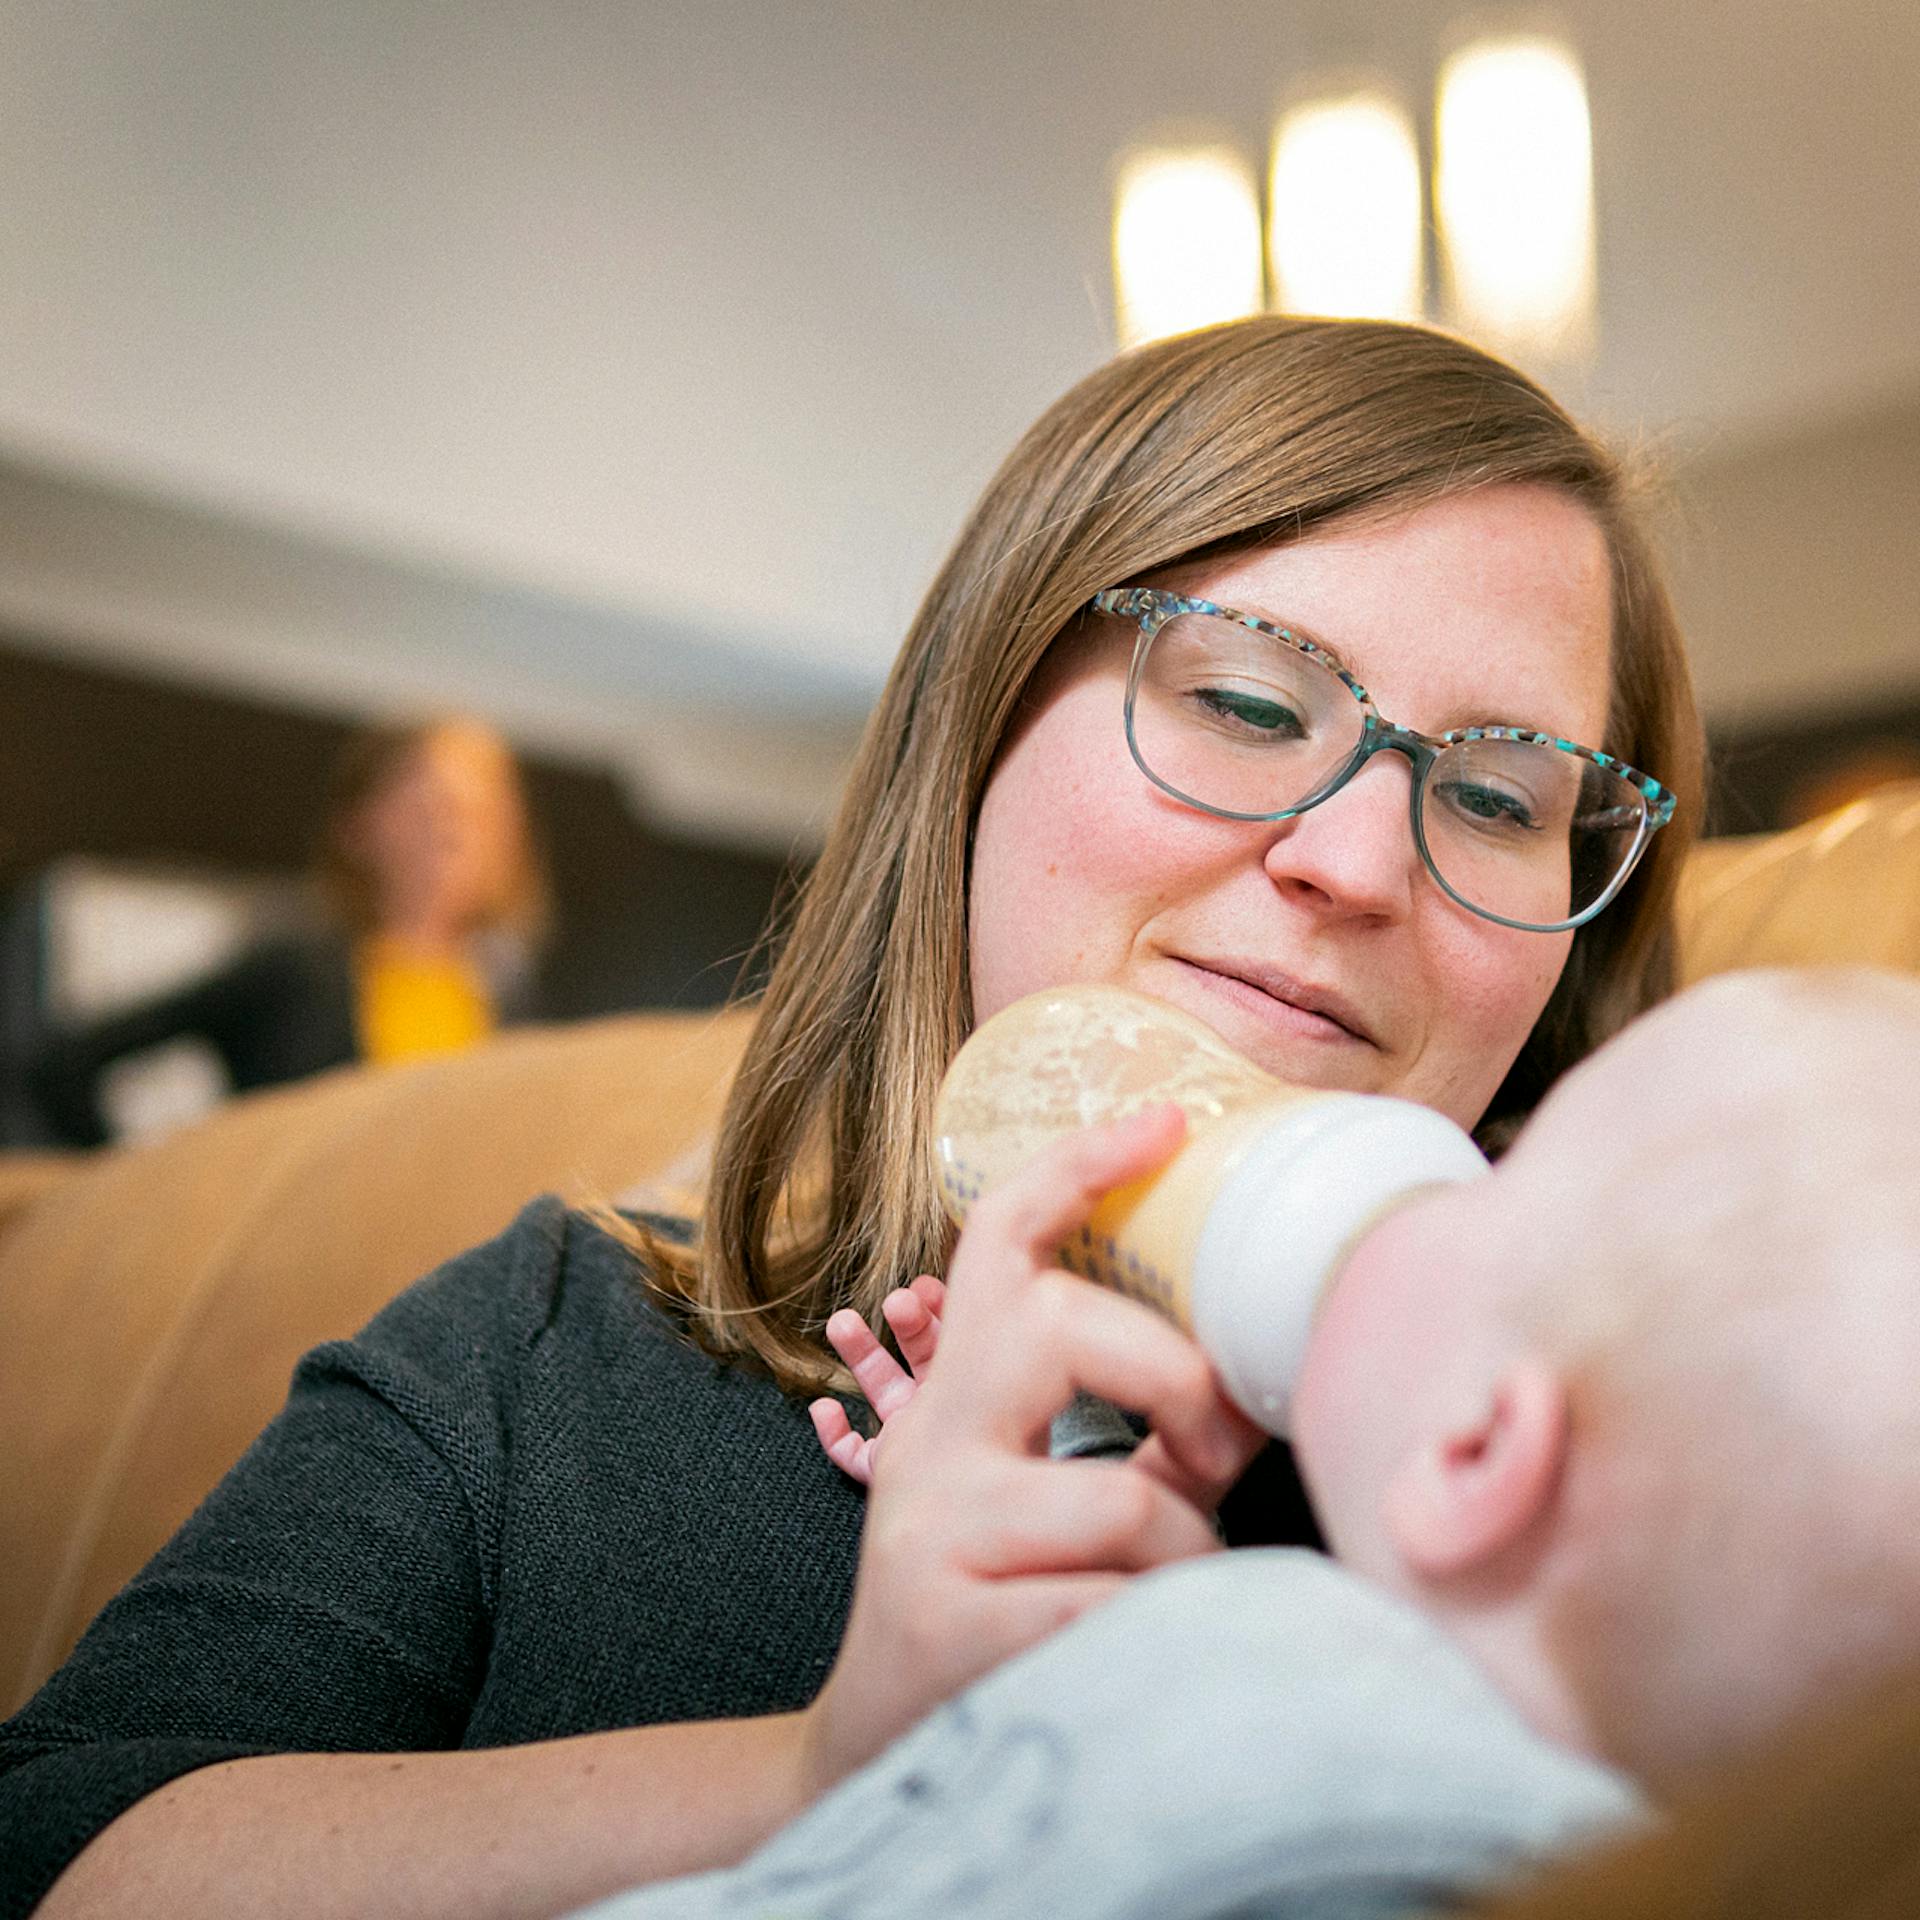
(1237, 1236)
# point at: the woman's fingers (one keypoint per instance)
(1005, 1371)
(1018, 1338)
(1036, 1210)
(1064, 1336)
(1086, 1516)
(1204, 1491)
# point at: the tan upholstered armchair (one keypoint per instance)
(153, 1301)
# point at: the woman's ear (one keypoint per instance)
(1460, 1499)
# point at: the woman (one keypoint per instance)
(586, 1536)
(434, 899)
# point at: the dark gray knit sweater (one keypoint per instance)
(520, 1504)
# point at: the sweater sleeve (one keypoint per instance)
(69, 1073)
(332, 1594)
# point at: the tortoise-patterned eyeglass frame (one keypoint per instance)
(1150, 609)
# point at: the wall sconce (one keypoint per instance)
(1346, 228)
(1186, 240)
(1344, 206)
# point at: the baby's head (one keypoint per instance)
(1638, 1417)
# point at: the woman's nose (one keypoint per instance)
(1353, 854)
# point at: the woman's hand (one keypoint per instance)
(913, 1312)
(977, 1545)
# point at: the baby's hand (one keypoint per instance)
(913, 1312)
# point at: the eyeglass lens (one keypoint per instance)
(1237, 722)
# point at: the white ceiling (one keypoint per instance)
(685, 332)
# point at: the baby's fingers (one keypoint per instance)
(913, 1312)
(887, 1385)
(848, 1451)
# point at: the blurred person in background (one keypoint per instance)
(435, 902)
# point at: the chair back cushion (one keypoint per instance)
(153, 1303)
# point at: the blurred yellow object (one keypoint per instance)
(411, 1006)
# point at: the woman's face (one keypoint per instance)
(1319, 946)
(444, 835)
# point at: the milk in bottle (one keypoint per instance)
(1237, 1236)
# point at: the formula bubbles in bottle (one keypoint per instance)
(1238, 1235)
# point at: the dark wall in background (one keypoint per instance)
(103, 763)
(1777, 775)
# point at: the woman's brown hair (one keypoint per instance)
(1254, 432)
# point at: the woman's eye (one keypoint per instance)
(1253, 710)
(1477, 802)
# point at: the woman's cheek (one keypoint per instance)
(1488, 1000)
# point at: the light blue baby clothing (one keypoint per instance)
(1258, 1733)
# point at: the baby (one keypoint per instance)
(1619, 1452)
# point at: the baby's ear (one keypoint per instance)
(1468, 1493)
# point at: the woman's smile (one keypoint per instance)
(1290, 1007)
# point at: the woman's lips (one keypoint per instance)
(1278, 1000)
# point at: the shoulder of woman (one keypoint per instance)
(554, 1274)
(468, 1319)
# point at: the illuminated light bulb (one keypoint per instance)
(1344, 233)
(1513, 190)
(1186, 241)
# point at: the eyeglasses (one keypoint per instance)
(1241, 718)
